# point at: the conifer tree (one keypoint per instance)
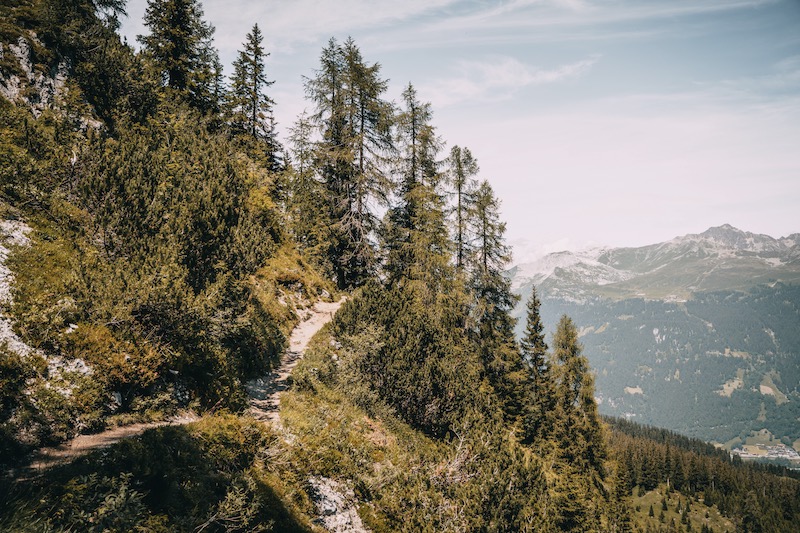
(493, 302)
(355, 126)
(534, 353)
(249, 107)
(308, 214)
(416, 234)
(463, 166)
(578, 429)
(179, 45)
(492, 289)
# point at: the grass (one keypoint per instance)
(221, 473)
(699, 513)
(389, 465)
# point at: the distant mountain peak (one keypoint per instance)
(722, 257)
(736, 239)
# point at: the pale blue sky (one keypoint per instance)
(611, 122)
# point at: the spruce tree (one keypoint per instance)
(538, 421)
(179, 45)
(578, 429)
(250, 108)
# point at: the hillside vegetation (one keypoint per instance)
(159, 244)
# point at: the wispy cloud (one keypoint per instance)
(287, 24)
(290, 23)
(497, 78)
(568, 20)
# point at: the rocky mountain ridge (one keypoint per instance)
(697, 334)
(721, 257)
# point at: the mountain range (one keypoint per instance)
(720, 258)
(699, 334)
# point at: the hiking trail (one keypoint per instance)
(264, 396)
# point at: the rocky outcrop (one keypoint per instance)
(336, 506)
(30, 86)
(12, 233)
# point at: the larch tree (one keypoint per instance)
(488, 262)
(493, 302)
(416, 233)
(462, 169)
(355, 125)
(308, 214)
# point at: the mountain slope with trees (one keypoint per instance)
(173, 244)
(698, 334)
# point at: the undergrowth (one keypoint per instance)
(223, 473)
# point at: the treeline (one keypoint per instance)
(757, 497)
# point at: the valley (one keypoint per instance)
(700, 335)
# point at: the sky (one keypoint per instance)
(597, 122)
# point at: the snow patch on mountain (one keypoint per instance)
(691, 262)
(578, 266)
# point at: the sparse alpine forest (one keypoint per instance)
(159, 244)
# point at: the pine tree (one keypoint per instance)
(534, 352)
(179, 44)
(355, 126)
(250, 108)
(463, 166)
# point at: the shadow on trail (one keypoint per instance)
(178, 478)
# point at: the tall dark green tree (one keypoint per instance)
(416, 233)
(354, 123)
(578, 429)
(180, 46)
(463, 167)
(250, 107)
(538, 416)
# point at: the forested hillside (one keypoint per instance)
(700, 483)
(159, 243)
(697, 334)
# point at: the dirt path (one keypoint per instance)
(45, 458)
(265, 392)
(264, 399)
